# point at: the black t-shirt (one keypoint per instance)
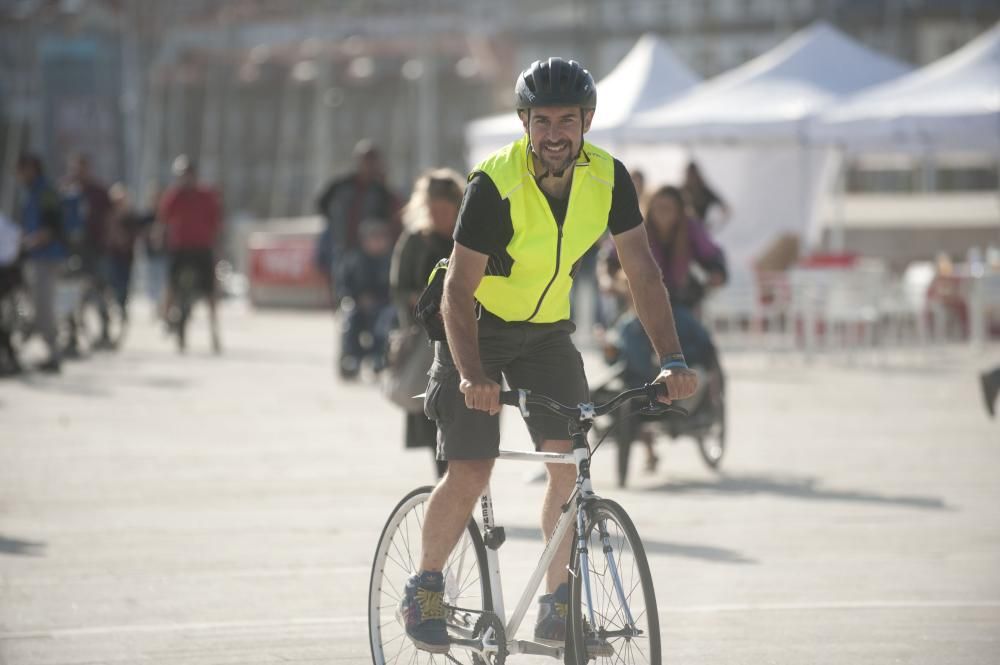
(484, 223)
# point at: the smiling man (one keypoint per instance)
(530, 213)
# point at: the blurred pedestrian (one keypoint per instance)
(990, 383)
(346, 202)
(10, 280)
(363, 274)
(429, 222)
(639, 182)
(124, 225)
(40, 211)
(191, 215)
(701, 199)
(89, 196)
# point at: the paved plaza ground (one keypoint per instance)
(201, 510)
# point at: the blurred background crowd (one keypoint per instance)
(839, 159)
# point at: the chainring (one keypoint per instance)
(486, 621)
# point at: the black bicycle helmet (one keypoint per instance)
(555, 82)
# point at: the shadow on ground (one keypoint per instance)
(657, 547)
(78, 386)
(20, 547)
(805, 488)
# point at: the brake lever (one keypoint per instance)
(661, 409)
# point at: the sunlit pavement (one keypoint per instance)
(158, 508)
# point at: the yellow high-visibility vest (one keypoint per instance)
(544, 255)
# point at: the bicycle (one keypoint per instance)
(704, 421)
(611, 602)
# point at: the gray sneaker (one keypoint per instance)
(551, 626)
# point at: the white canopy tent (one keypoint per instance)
(953, 103)
(747, 129)
(649, 75)
(773, 96)
(951, 106)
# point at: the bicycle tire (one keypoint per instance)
(712, 443)
(626, 429)
(610, 619)
(395, 560)
(624, 452)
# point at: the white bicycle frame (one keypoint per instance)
(583, 490)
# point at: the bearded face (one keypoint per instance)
(556, 134)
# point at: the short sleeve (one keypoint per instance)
(624, 213)
(479, 219)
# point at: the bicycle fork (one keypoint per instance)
(609, 555)
(582, 453)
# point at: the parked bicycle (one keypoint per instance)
(612, 605)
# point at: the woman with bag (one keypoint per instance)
(429, 219)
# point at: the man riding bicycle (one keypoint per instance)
(531, 211)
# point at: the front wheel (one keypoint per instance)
(617, 621)
(466, 585)
(712, 442)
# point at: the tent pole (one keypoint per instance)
(838, 230)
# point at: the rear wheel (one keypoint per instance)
(466, 585)
(617, 621)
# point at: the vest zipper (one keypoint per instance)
(554, 275)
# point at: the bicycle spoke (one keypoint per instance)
(406, 544)
(466, 582)
(402, 645)
(456, 562)
(398, 637)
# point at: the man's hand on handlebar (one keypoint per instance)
(681, 383)
(481, 393)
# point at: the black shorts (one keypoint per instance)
(192, 269)
(535, 356)
(10, 278)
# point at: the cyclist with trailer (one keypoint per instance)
(530, 212)
(691, 264)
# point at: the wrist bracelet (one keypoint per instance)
(674, 361)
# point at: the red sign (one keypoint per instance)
(284, 260)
